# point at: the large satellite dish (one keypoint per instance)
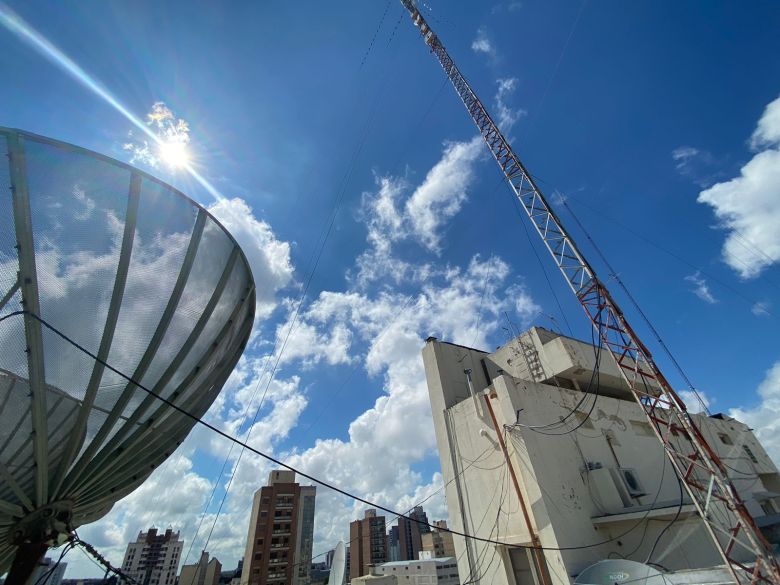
(135, 273)
(617, 571)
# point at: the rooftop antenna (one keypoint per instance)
(733, 531)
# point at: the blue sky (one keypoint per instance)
(656, 120)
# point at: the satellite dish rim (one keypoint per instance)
(339, 565)
(620, 567)
(68, 146)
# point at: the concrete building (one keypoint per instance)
(438, 542)
(153, 559)
(46, 565)
(368, 544)
(204, 572)
(281, 532)
(442, 571)
(410, 532)
(589, 467)
(393, 553)
(329, 558)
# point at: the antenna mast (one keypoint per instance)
(733, 531)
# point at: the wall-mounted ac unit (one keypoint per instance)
(632, 483)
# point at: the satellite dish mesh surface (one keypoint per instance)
(338, 567)
(140, 276)
(619, 571)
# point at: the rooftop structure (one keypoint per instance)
(591, 475)
(443, 571)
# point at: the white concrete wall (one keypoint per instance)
(422, 571)
(565, 497)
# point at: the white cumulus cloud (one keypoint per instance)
(482, 44)
(392, 214)
(443, 192)
(748, 206)
(765, 417)
(506, 116)
(761, 309)
(695, 401)
(268, 256)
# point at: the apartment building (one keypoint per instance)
(281, 532)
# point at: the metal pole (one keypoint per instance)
(537, 548)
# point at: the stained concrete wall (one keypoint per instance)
(570, 481)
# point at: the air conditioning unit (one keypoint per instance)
(632, 483)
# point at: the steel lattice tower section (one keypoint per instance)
(696, 464)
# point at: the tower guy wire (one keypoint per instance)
(645, 318)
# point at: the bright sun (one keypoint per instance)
(174, 153)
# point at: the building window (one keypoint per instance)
(642, 428)
(725, 439)
(750, 453)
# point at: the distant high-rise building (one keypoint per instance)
(44, 566)
(153, 559)
(281, 532)
(204, 572)
(329, 558)
(392, 544)
(369, 543)
(439, 541)
(409, 534)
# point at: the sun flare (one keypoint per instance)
(174, 153)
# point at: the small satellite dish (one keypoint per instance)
(617, 571)
(338, 566)
(133, 272)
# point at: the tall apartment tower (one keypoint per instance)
(153, 559)
(409, 534)
(392, 544)
(281, 532)
(369, 543)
